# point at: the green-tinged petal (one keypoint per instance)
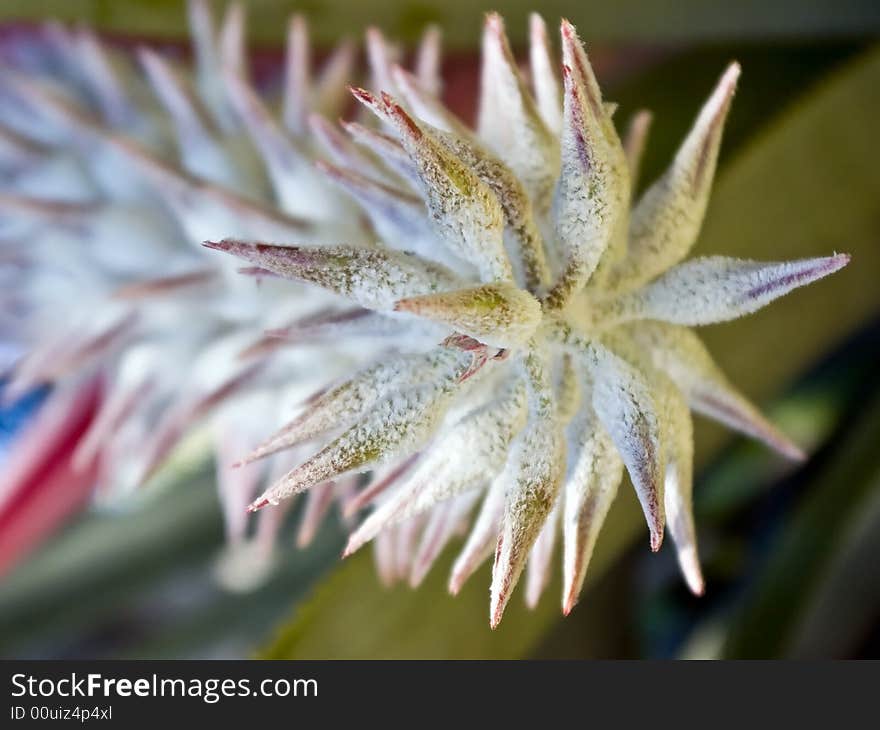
(345, 403)
(627, 407)
(396, 426)
(534, 471)
(496, 314)
(583, 79)
(373, 277)
(594, 474)
(717, 289)
(592, 193)
(681, 356)
(668, 217)
(465, 213)
(466, 457)
(569, 388)
(522, 231)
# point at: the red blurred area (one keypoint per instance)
(41, 489)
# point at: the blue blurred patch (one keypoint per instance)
(13, 417)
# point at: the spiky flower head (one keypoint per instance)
(516, 332)
(568, 357)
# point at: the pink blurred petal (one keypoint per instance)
(41, 489)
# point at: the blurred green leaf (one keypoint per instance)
(225, 624)
(147, 574)
(845, 606)
(99, 559)
(735, 509)
(811, 412)
(351, 616)
(806, 185)
(622, 20)
(765, 625)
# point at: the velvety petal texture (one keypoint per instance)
(444, 334)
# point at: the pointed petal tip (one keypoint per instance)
(697, 587)
(692, 572)
(820, 267)
(416, 576)
(500, 595)
(494, 22)
(393, 109)
(461, 571)
(838, 261)
(723, 94)
(791, 451)
(656, 538)
(224, 245)
(567, 30)
(750, 285)
(257, 504)
(731, 74)
(364, 97)
(352, 546)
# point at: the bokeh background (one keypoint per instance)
(792, 553)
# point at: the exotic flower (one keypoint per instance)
(516, 328)
(567, 358)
